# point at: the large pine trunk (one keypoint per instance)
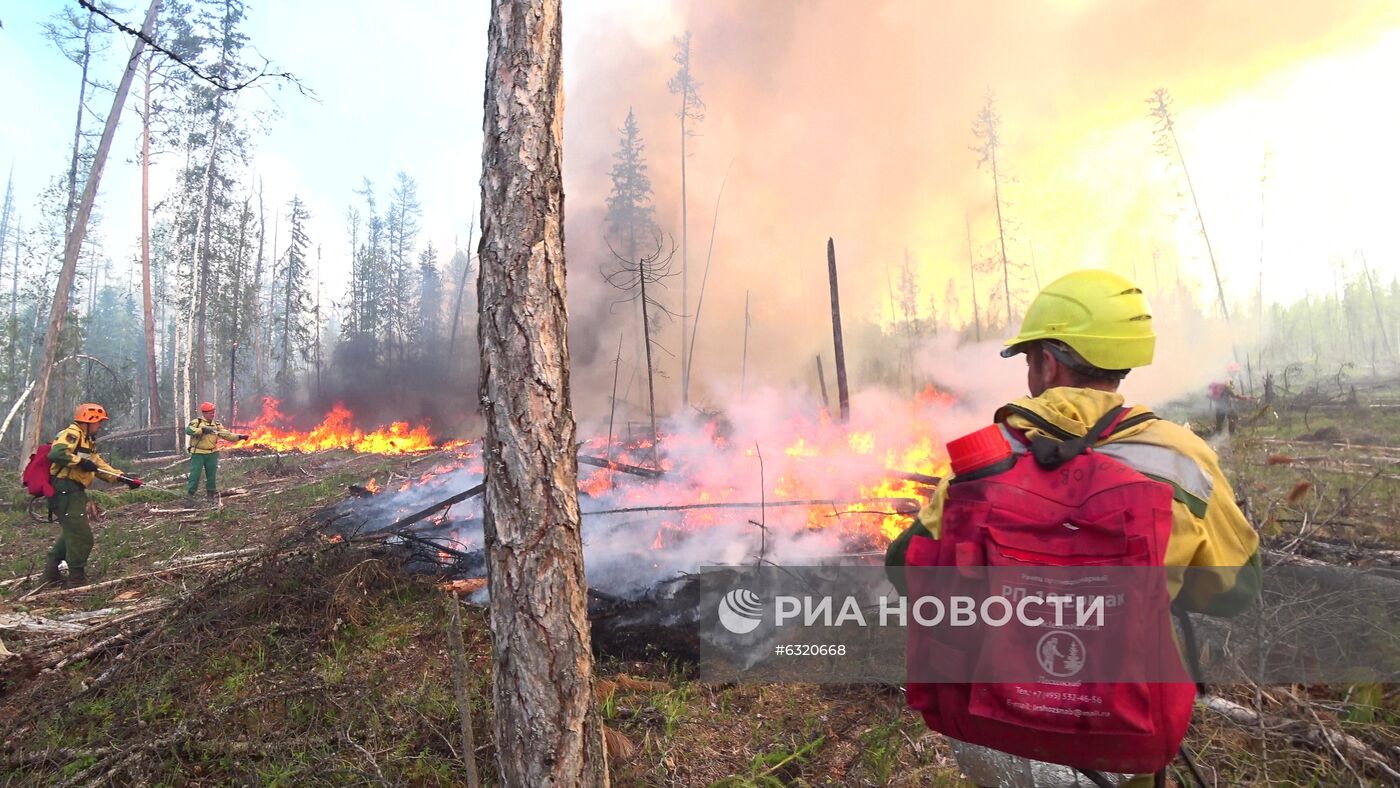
(548, 731)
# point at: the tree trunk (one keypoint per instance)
(257, 297)
(651, 377)
(78, 131)
(685, 262)
(548, 730)
(461, 288)
(194, 345)
(74, 243)
(153, 418)
(972, 277)
(1201, 219)
(843, 392)
(1001, 237)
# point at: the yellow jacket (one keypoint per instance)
(1208, 528)
(201, 443)
(72, 446)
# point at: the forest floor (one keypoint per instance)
(286, 658)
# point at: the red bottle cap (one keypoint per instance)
(978, 449)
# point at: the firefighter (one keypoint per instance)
(1225, 404)
(204, 435)
(74, 463)
(1082, 334)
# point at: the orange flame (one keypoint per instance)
(337, 431)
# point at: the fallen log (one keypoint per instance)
(909, 506)
(613, 465)
(423, 514)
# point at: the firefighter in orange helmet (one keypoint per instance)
(74, 463)
(204, 433)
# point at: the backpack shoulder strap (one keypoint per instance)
(1050, 453)
(1131, 421)
(1038, 421)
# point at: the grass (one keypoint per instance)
(273, 673)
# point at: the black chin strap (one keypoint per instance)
(1051, 453)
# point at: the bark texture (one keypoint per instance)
(548, 731)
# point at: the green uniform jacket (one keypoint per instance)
(200, 443)
(72, 446)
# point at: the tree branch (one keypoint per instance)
(216, 81)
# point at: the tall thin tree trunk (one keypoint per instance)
(153, 418)
(14, 316)
(461, 288)
(548, 730)
(59, 310)
(744, 359)
(843, 392)
(257, 297)
(195, 344)
(651, 377)
(1376, 305)
(78, 131)
(972, 278)
(1001, 237)
(1201, 219)
(685, 266)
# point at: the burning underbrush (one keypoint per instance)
(722, 490)
(275, 430)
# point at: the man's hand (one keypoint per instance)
(208, 430)
(243, 436)
(87, 465)
(133, 482)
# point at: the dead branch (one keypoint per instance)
(212, 79)
(908, 506)
(1345, 746)
(612, 465)
(459, 685)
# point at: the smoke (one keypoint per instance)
(852, 121)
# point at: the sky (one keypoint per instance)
(833, 119)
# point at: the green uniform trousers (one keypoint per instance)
(69, 505)
(208, 464)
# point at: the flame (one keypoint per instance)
(819, 458)
(338, 431)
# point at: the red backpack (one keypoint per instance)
(36, 478)
(1058, 504)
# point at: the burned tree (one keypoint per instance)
(987, 130)
(548, 730)
(1160, 110)
(633, 277)
(692, 109)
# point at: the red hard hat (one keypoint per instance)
(206, 407)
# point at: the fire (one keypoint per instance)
(337, 431)
(807, 458)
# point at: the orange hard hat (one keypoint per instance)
(91, 413)
(206, 407)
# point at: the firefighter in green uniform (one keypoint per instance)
(204, 435)
(74, 464)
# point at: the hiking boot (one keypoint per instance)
(77, 576)
(51, 574)
(212, 495)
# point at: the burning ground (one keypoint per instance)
(243, 644)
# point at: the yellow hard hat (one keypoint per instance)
(1104, 317)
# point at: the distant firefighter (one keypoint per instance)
(1226, 403)
(205, 434)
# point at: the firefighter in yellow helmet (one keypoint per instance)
(74, 463)
(1081, 336)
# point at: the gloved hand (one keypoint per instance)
(208, 430)
(133, 482)
(243, 436)
(87, 465)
